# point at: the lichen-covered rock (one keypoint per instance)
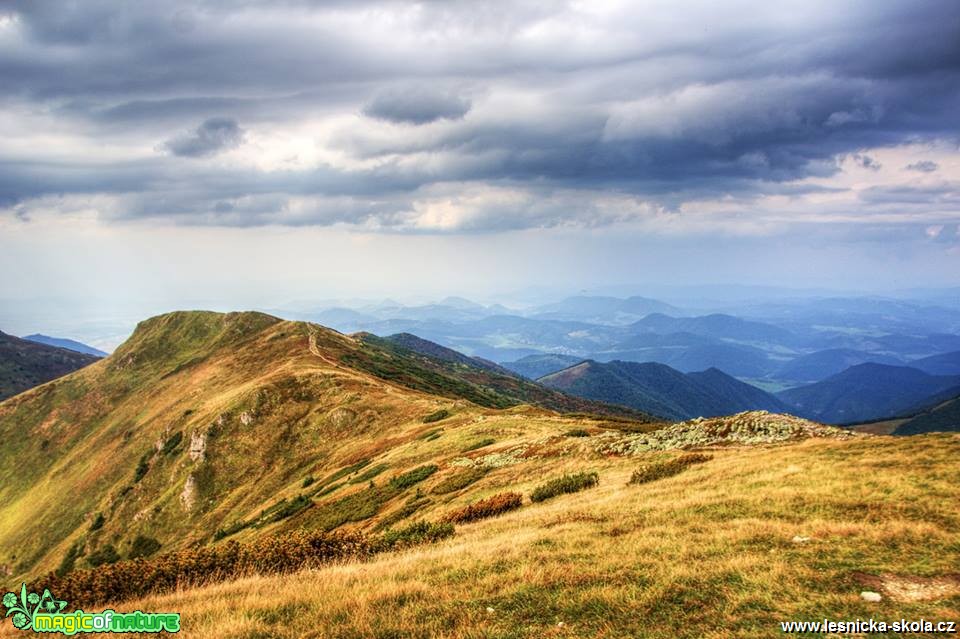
(751, 427)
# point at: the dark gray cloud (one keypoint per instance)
(529, 96)
(865, 161)
(213, 136)
(416, 106)
(923, 166)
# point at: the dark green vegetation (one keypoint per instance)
(436, 416)
(562, 485)
(660, 469)
(866, 392)
(480, 443)
(25, 364)
(660, 390)
(943, 416)
(460, 480)
(577, 432)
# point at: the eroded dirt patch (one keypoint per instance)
(908, 588)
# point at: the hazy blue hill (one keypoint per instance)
(865, 392)
(717, 325)
(661, 390)
(536, 366)
(738, 395)
(603, 309)
(695, 354)
(822, 364)
(943, 364)
(69, 344)
(25, 364)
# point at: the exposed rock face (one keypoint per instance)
(198, 446)
(189, 494)
(246, 418)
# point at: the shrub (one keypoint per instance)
(172, 442)
(98, 522)
(419, 532)
(142, 467)
(489, 507)
(402, 513)
(105, 555)
(369, 473)
(566, 484)
(143, 547)
(479, 444)
(430, 435)
(460, 480)
(577, 432)
(414, 476)
(271, 554)
(70, 559)
(285, 508)
(659, 470)
(307, 481)
(232, 529)
(358, 506)
(436, 416)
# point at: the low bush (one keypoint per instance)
(419, 532)
(460, 480)
(479, 444)
(104, 555)
(97, 523)
(172, 442)
(369, 473)
(142, 467)
(659, 470)
(577, 432)
(272, 554)
(414, 476)
(308, 481)
(143, 547)
(402, 513)
(436, 416)
(562, 485)
(489, 507)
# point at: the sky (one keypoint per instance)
(246, 154)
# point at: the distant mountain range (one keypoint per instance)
(660, 390)
(25, 364)
(866, 392)
(69, 344)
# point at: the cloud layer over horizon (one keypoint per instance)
(474, 117)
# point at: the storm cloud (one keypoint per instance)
(213, 136)
(471, 117)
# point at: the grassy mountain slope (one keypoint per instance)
(728, 548)
(243, 422)
(660, 390)
(942, 415)
(865, 392)
(25, 364)
(436, 351)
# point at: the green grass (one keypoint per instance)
(413, 477)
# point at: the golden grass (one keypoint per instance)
(706, 553)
